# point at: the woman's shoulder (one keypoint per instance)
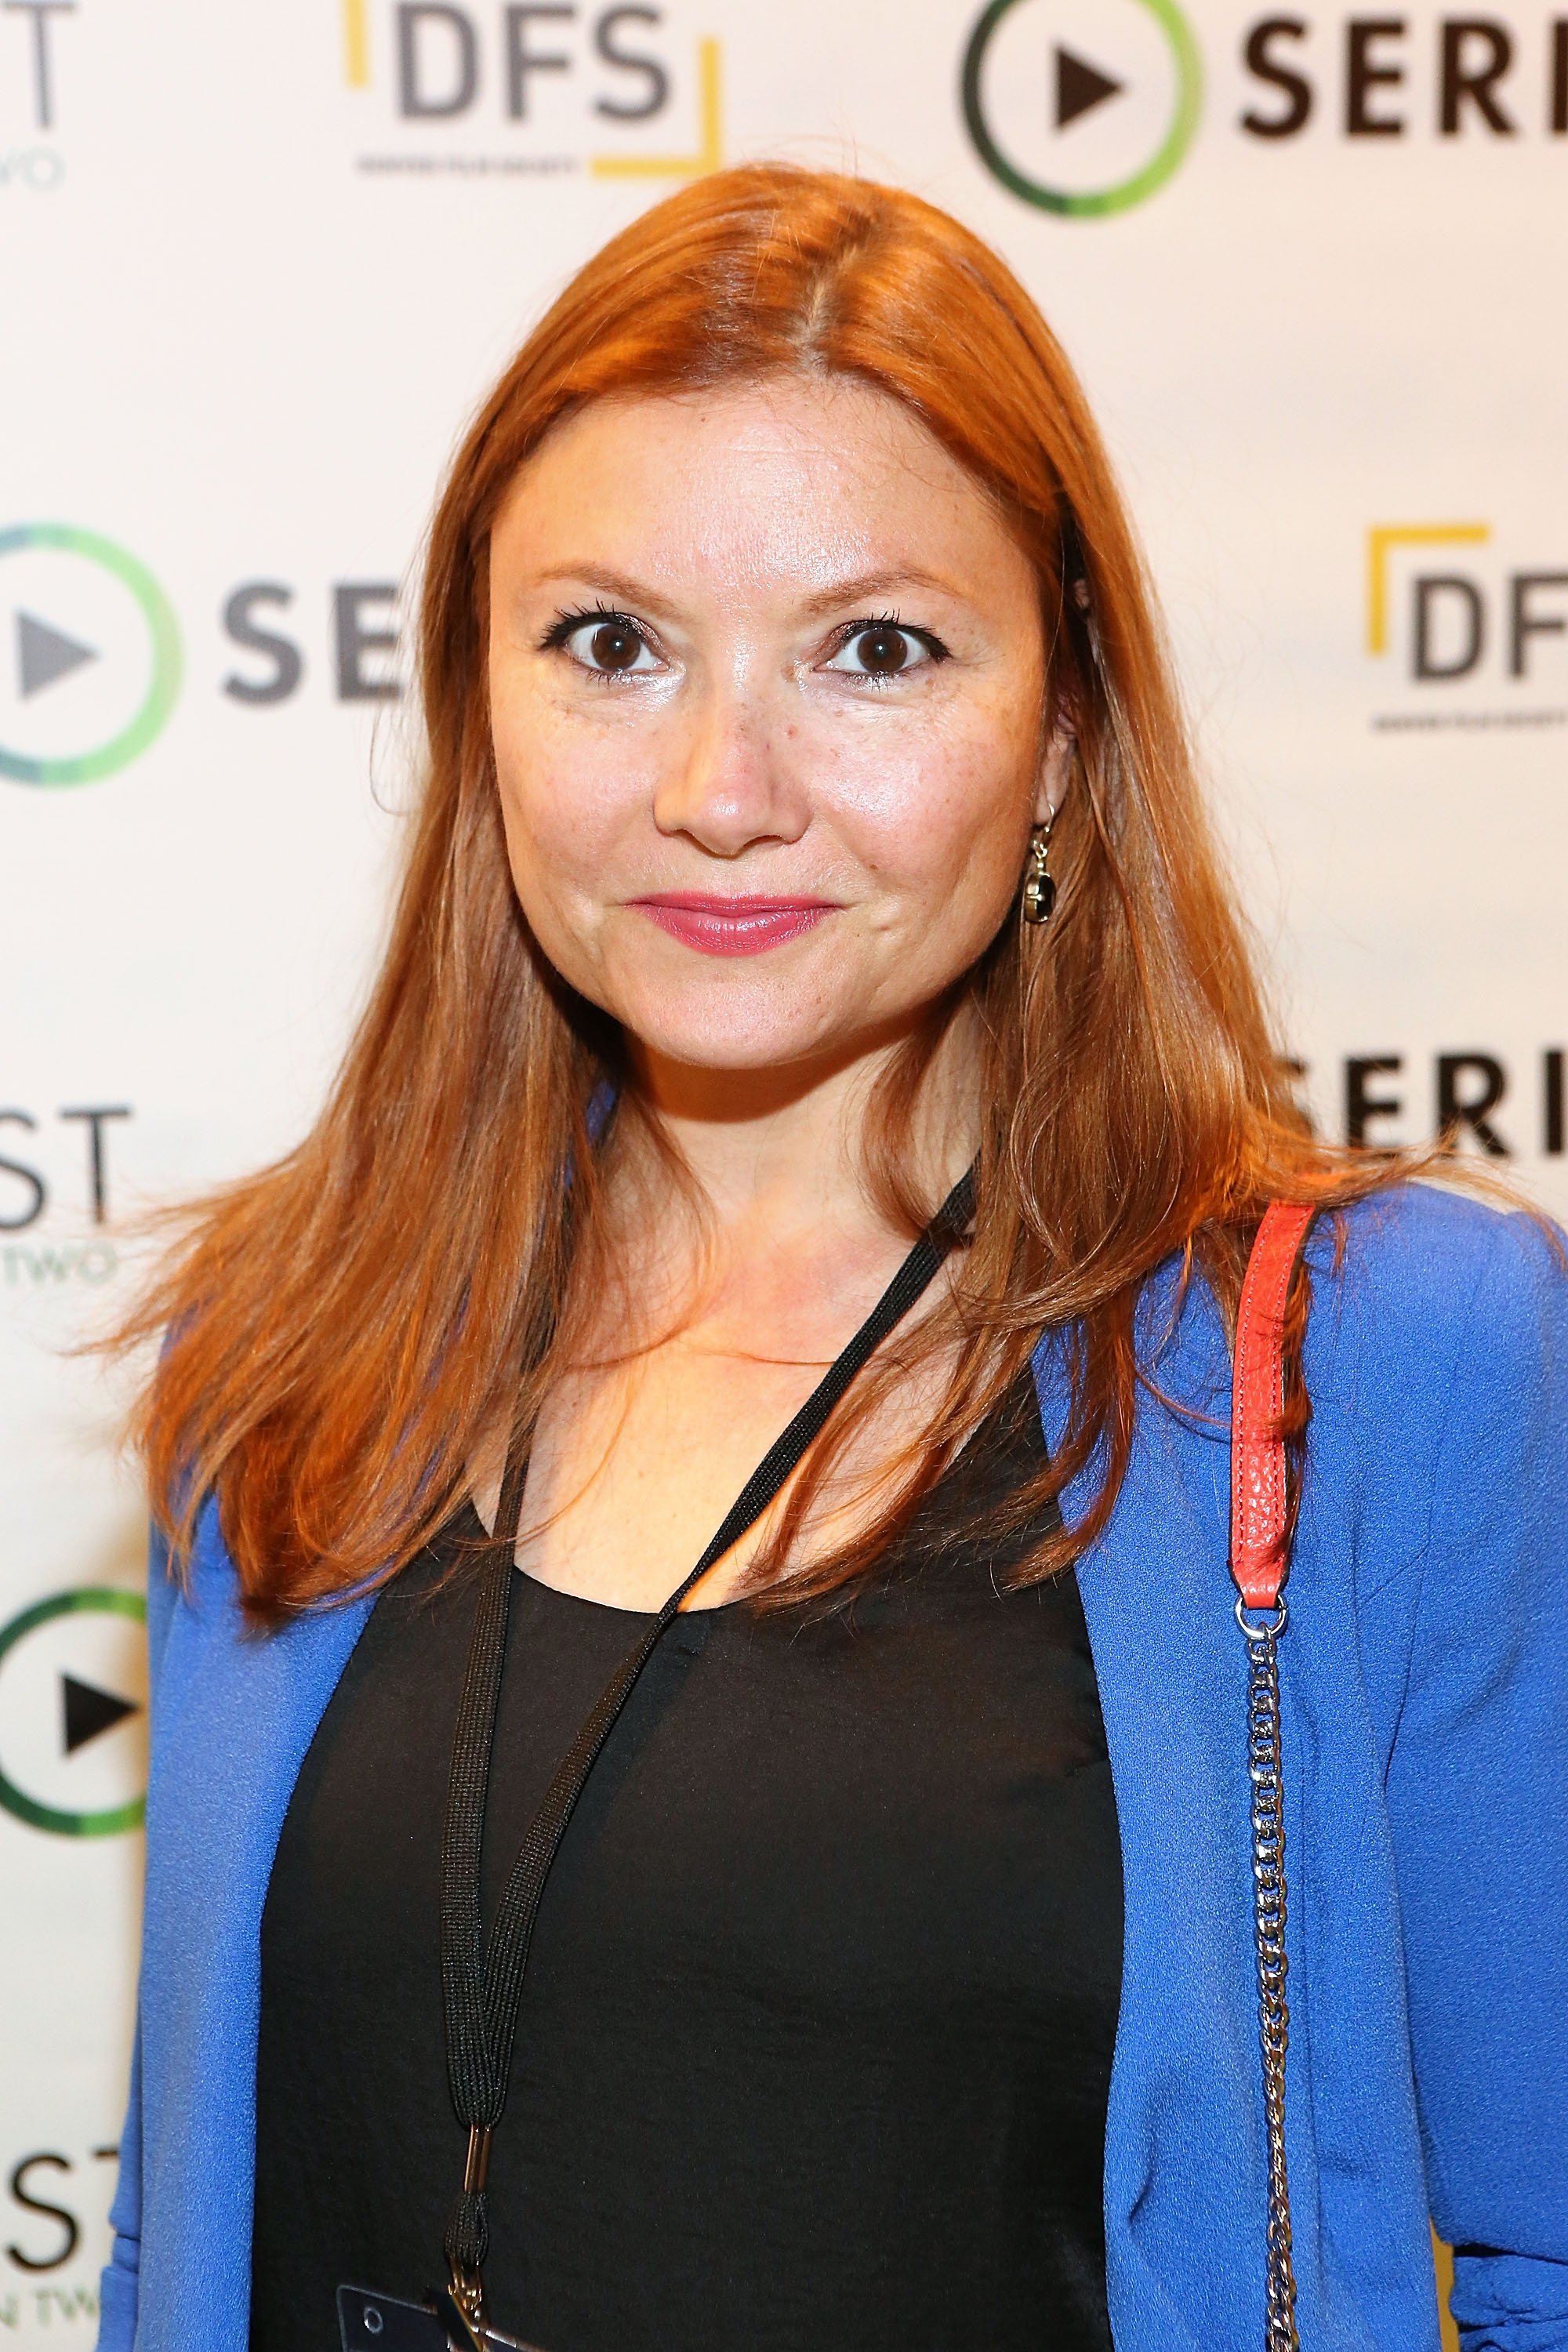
(1412, 1285)
(201, 1638)
(1436, 1363)
(1436, 1367)
(1444, 1225)
(1425, 1284)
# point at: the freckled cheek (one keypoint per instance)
(562, 872)
(568, 808)
(940, 822)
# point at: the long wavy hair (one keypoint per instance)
(345, 1329)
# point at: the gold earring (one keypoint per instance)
(1039, 890)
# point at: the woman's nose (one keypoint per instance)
(731, 784)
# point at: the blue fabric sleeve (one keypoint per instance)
(1476, 1801)
(118, 2282)
(120, 2279)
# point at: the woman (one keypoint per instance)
(810, 860)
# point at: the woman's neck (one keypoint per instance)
(778, 1155)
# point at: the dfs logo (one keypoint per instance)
(1442, 610)
(551, 68)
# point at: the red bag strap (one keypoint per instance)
(1259, 1560)
(1257, 1494)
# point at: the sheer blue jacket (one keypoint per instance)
(1426, 1729)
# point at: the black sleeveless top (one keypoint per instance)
(816, 2032)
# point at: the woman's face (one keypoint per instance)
(766, 677)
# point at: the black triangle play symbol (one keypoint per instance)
(44, 654)
(1080, 86)
(89, 1711)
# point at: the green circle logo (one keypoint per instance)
(48, 655)
(55, 1717)
(1082, 87)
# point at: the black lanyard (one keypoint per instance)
(482, 1982)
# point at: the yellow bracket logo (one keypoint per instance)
(710, 156)
(1381, 539)
(356, 44)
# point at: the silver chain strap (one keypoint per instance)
(1268, 1922)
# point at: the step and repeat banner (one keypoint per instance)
(256, 266)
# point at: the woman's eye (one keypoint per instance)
(609, 645)
(883, 649)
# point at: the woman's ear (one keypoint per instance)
(1056, 767)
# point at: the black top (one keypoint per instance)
(817, 2034)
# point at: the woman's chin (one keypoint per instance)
(791, 1051)
(746, 1053)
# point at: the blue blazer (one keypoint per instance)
(1425, 1734)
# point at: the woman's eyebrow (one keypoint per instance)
(861, 587)
(606, 582)
(856, 588)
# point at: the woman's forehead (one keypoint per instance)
(808, 478)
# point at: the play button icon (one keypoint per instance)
(44, 655)
(87, 1712)
(73, 1713)
(1082, 107)
(1081, 86)
(89, 654)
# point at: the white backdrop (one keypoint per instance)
(256, 268)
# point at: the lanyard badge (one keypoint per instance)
(368, 2322)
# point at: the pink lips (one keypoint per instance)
(732, 927)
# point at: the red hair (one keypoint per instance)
(347, 1326)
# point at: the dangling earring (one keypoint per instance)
(1039, 890)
